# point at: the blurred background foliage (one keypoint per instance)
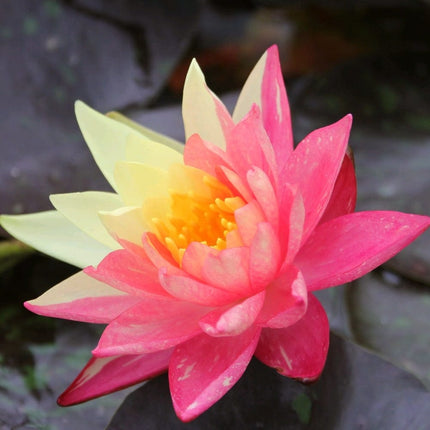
(370, 58)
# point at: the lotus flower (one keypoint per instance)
(208, 254)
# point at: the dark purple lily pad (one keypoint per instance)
(357, 390)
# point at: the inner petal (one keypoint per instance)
(199, 209)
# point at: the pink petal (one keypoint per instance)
(275, 108)
(108, 374)
(350, 246)
(204, 155)
(82, 298)
(291, 221)
(158, 254)
(344, 196)
(248, 145)
(229, 270)
(191, 290)
(265, 195)
(235, 319)
(128, 272)
(298, 351)
(314, 166)
(265, 87)
(264, 257)
(194, 258)
(247, 219)
(150, 326)
(203, 369)
(234, 182)
(286, 300)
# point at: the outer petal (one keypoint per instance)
(203, 369)
(344, 196)
(105, 375)
(143, 150)
(82, 210)
(350, 246)
(82, 298)
(265, 87)
(51, 233)
(152, 325)
(147, 132)
(105, 138)
(286, 300)
(298, 351)
(129, 273)
(202, 111)
(235, 319)
(314, 167)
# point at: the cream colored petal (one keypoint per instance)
(147, 132)
(202, 111)
(78, 286)
(143, 150)
(138, 181)
(105, 137)
(82, 210)
(126, 223)
(251, 92)
(51, 233)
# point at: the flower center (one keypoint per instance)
(204, 213)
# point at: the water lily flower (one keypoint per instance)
(208, 254)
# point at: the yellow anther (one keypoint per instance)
(172, 247)
(220, 203)
(234, 203)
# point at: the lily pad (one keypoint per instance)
(357, 390)
(390, 315)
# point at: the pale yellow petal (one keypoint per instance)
(105, 137)
(51, 233)
(138, 181)
(147, 132)
(82, 210)
(143, 150)
(251, 91)
(126, 223)
(202, 111)
(78, 286)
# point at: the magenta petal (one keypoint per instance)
(204, 155)
(247, 219)
(194, 258)
(275, 108)
(248, 145)
(235, 319)
(298, 351)
(291, 221)
(233, 181)
(108, 374)
(128, 272)
(344, 196)
(265, 195)
(188, 289)
(314, 166)
(286, 300)
(229, 270)
(350, 246)
(203, 369)
(264, 256)
(150, 326)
